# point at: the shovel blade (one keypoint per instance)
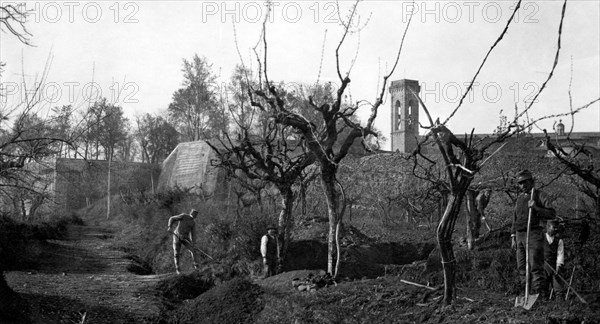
(526, 302)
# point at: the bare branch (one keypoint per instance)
(10, 16)
(556, 56)
(484, 61)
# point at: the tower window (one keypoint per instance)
(398, 115)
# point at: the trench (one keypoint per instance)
(358, 261)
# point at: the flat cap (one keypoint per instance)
(524, 175)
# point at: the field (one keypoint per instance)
(89, 269)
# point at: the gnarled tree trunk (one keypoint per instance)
(473, 219)
(444, 240)
(285, 219)
(328, 183)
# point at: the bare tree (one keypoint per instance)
(271, 153)
(464, 157)
(323, 138)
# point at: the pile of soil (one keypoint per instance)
(388, 300)
(13, 309)
(490, 266)
(235, 301)
(176, 289)
(284, 281)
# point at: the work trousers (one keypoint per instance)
(177, 243)
(270, 267)
(536, 259)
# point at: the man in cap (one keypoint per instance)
(185, 233)
(541, 209)
(269, 248)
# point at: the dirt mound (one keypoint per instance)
(491, 265)
(283, 281)
(186, 286)
(235, 301)
(13, 309)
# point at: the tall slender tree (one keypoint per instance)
(195, 110)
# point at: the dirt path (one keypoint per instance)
(81, 275)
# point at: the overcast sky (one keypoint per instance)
(133, 51)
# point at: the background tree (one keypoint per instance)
(156, 137)
(112, 130)
(62, 119)
(103, 127)
(195, 110)
(269, 153)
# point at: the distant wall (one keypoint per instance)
(191, 166)
(79, 182)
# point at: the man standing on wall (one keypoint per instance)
(269, 248)
(185, 233)
(541, 209)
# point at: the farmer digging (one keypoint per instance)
(185, 233)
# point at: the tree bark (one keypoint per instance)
(473, 219)
(285, 219)
(303, 198)
(328, 183)
(444, 240)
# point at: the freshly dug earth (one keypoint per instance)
(487, 284)
(388, 300)
(235, 301)
(186, 286)
(86, 275)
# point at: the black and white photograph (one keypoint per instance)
(307, 161)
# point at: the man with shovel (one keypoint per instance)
(527, 236)
(184, 233)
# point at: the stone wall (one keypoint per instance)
(191, 165)
(78, 183)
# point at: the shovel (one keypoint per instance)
(528, 300)
(189, 244)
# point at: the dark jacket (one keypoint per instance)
(521, 212)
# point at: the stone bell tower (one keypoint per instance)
(405, 115)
